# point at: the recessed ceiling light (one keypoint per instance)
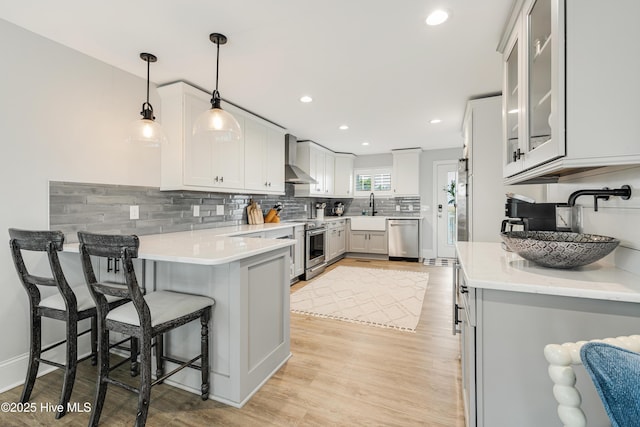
(435, 121)
(437, 17)
(365, 143)
(306, 99)
(343, 127)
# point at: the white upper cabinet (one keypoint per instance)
(343, 175)
(190, 162)
(319, 163)
(275, 160)
(264, 158)
(329, 171)
(567, 64)
(406, 172)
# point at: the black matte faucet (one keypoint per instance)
(623, 192)
(372, 203)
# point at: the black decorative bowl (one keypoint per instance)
(557, 249)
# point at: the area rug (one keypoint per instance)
(370, 296)
(440, 262)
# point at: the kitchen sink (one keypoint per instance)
(557, 249)
(368, 223)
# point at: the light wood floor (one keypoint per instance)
(341, 374)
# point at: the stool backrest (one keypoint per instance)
(120, 247)
(50, 242)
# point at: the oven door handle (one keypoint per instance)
(316, 232)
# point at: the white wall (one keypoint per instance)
(615, 217)
(373, 161)
(62, 116)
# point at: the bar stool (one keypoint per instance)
(147, 317)
(69, 305)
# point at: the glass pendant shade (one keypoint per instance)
(219, 124)
(146, 132)
(216, 124)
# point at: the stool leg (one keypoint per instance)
(145, 380)
(134, 356)
(35, 348)
(159, 356)
(103, 373)
(204, 351)
(70, 366)
(94, 340)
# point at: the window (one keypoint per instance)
(369, 181)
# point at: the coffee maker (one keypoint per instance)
(526, 215)
(338, 208)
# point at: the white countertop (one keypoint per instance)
(383, 216)
(211, 246)
(488, 266)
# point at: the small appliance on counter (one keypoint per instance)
(524, 214)
(338, 208)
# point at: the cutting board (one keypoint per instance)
(254, 213)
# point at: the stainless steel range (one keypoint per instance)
(315, 259)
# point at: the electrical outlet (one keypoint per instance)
(134, 212)
(196, 210)
(397, 208)
(410, 207)
(219, 209)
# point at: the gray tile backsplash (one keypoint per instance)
(104, 208)
(408, 206)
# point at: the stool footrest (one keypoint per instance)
(50, 362)
(179, 368)
(121, 384)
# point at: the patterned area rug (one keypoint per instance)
(440, 262)
(375, 297)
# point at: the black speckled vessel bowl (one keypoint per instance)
(557, 249)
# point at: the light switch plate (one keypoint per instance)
(219, 209)
(134, 212)
(397, 208)
(196, 210)
(410, 207)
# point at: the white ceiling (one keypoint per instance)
(371, 64)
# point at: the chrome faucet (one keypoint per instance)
(372, 204)
(623, 192)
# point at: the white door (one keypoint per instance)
(445, 210)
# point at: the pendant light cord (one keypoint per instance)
(217, 64)
(148, 67)
(215, 96)
(147, 109)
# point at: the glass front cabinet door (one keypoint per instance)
(512, 110)
(534, 87)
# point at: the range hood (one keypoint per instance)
(292, 173)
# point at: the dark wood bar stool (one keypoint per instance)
(146, 317)
(68, 304)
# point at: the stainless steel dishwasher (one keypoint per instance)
(404, 238)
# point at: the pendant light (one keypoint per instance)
(216, 123)
(146, 132)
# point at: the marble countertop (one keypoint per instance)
(213, 246)
(488, 266)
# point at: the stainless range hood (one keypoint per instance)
(292, 173)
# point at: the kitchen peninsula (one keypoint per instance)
(510, 309)
(249, 279)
